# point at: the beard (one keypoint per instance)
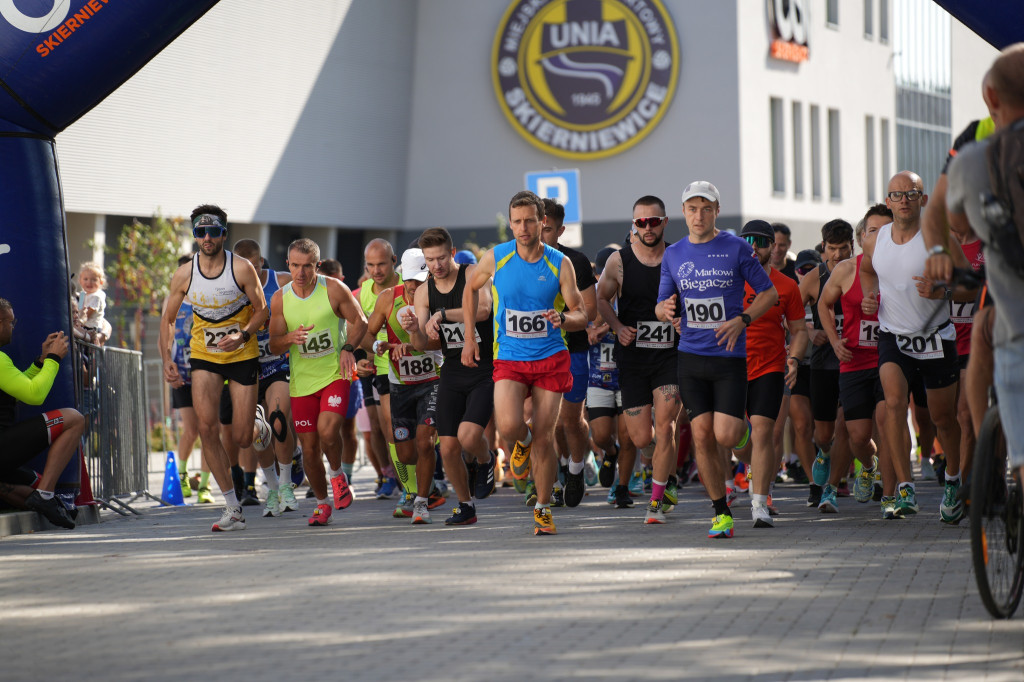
(657, 240)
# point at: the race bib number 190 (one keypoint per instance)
(525, 325)
(704, 313)
(868, 337)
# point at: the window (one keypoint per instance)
(832, 13)
(869, 148)
(869, 18)
(815, 152)
(883, 21)
(886, 152)
(835, 189)
(778, 147)
(798, 150)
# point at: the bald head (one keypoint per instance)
(1003, 86)
(379, 247)
(905, 180)
(380, 261)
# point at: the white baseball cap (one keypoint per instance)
(414, 265)
(701, 188)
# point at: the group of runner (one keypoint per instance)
(703, 338)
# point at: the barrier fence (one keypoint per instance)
(111, 393)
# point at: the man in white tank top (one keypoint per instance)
(915, 336)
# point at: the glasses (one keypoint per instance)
(213, 231)
(911, 195)
(653, 221)
(759, 241)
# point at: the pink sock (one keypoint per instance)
(657, 490)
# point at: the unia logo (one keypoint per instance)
(585, 79)
(47, 21)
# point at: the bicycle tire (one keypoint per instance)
(996, 522)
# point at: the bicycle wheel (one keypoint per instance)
(996, 522)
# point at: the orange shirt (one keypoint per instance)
(766, 336)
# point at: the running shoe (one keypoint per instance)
(341, 492)
(388, 489)
(321, 516)
(671, 495)
(606, 476)
(543, 524)
(721, 527)
(563, 474)
(437, 497)
(186, 485)
(876, 490)
(843, 489)
(742, 480)
(377, 485)
(484, 478)
(520, 485)
(796, 473)
(403, 510)
(821, 469)
(286, 494)
(692, 473)
(520, 463)
(828, 501)
(463, 515)
(590, 470)
(263, 433)
(530, 496)
(762, 517)
(420, 513)
(906, 502)
(927, 470)
(231, 519)
(204, 496)
(814, 498)
(298, 473)
(273, 505)
(636, 484)
(655, 512)
(730, 495)
(575, 488)
(771, 507)
(951, 510)
(55, 512)
(249, 497)
(557, 497)
(863, 483)
(939, 465)
(611, 495)
(623, 499)
(888, 508)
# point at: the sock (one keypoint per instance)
(270, 473)
(468, 504)
(230, 498)
(237, 477)
(250, 479)
(953, 479)
(286, 471)
(721, 507)
(758, 500)
(657, 489)
(743, 441)
(45, 494)
(575, 467)
(529, 437)
(347, 469)
(419, 499)
(333, 472)
(204, 479)
(563, 461)
(183, 467)
(906, 484)
(538, 506)
(319, 501)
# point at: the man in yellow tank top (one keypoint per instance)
(304, 323)
(228, 308)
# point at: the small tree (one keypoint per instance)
(144, 259)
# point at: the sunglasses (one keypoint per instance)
(759, 241)
(653, 221)
(213, 231)
(911, 195)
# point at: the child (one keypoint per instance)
(92, 301)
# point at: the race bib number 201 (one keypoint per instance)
(919, 346)
(521, 324)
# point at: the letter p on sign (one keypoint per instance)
(564, 187)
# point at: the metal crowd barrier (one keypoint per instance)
(111, 392)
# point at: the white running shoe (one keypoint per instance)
(273, 505)
(262, 440)
(762, 517)
(231, 519)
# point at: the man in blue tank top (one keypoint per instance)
(702, 277)
(535, 298)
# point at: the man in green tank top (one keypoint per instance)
(304, 322)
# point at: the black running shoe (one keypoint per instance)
(249, 497)
(606, 474)
(463, 515)
(622, 498)
(484, 479)
(51, 509)
(797, 474)
(814, 499)
(575, 486)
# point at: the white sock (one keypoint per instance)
(953, 479)
(319, 501)
(758, 500)
(270, 473)
(333, 472)
(529, 437)
(45, 494)
(575, 467)
(286, 471)
(419, 499)
(563, 461)
(230, 499)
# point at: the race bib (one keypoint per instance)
(654, 334)
(961, 313)
(212, 335)
(704, 313)
(317, 346)
(521, 324)
(416, 368)
(839, 324)
(265, 354)
(868, 336)
(454, 334)
(607, 360)
(920, 346)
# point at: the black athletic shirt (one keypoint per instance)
(452, 340)
(637, 300)
(577, 342)
(824, 356)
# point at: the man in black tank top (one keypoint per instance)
(465, 395)
(837, 239)
(645, 349)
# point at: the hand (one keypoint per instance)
(433, 329)
(677, 322)
(626, 335)
(939, 267)
(407, 318)
(729, 332)
(470, 352)
(299, 335)
(817, 337)
(842, 352)
(792, 367)
(399, 350)
(670, 304)
(364, 368)
(380, 348)
(553, 318)
(57, 344)
(346, 363)
(869, 304)
(231, 342)
(926, 288)
(171, 373)
(595, 334)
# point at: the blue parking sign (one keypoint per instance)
(563, 186)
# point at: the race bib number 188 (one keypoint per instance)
(521, 324)
(415, 368)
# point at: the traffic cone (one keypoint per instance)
(171, 493)
(85, 492)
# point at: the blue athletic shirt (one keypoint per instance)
(269, 363)
(709, 279)
(522, 292)
(604, 373)
(183, 341)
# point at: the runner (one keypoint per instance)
(702, 276)
(304, 322)
(645, 354)
(533, 287)
(227, 310)
(465, 396)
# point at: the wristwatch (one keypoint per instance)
(376, 343)
(444, 315)
(348, 347)
(561, 316)
(746, 319)
(246, 336)
(936, 250)
(795, 359)
(948, 294)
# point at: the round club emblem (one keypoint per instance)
(585, 79)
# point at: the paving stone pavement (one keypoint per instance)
(818, 597)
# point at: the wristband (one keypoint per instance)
(52, 356)
(795, 358)
(376, 343)
(938, 249)
(561, 317)
(348, 347)
(444, 315)
(246, 336)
